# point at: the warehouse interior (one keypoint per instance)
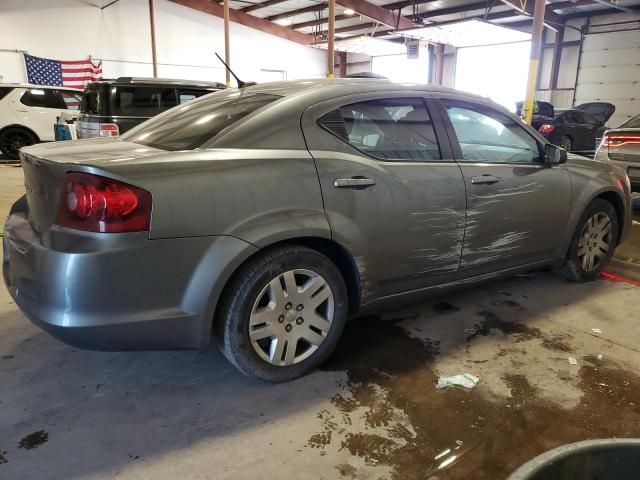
(464, 378)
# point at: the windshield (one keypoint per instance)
(191, 125)
(633, 123)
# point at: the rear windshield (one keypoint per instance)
(633, 123)
(190, 126)
(137, 101)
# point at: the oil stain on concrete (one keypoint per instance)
(34, 440)
(391, 415)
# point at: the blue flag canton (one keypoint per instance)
(41, 71)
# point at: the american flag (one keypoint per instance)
(77, 73)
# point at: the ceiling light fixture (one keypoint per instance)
(349, 11)
(285, 22)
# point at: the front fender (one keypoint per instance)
(591, 179)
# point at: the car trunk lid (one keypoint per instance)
(601, 111)
(45, 165)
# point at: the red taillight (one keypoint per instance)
(546, 128)
(99, 204)
(613, 140)
(109, 130)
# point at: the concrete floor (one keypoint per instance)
(372, 412)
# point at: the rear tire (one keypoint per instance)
(12, 139)
(593, 243)
(566, 143)
(269, 325)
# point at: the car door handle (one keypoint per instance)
(357, 183)
(484, 180)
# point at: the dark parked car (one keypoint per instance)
(111, 107)
(621, 146)
(577, 129)
(261, 218)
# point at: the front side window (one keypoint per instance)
(41, 98)
(191, 125)
(387, 129)
(486, 135)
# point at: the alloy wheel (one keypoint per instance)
(13, 141)
(291, 317)
(565, 143)
(595, 241)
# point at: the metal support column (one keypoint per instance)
(227, 48)
(342, 65)
(330, 38)
(555, 61)
(536, 43)
(439, 63)
(152, 21)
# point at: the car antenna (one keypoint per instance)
(241, 84)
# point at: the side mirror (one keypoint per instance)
(554, 155)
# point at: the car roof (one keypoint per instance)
(288, 87)
(159, 81)
(44, 87)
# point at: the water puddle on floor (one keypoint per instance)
(391, 415)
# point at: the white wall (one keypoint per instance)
(186, 40)
(569, 59)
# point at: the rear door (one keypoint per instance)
(517, 206)
(584, 137)
(38, 109)
(393, 194)
(573, 129)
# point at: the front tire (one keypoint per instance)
(284, 314)
(12, 139)
(593, 243)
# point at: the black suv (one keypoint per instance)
(111, 107)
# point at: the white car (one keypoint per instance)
(28, 114)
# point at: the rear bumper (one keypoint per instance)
(118, 291)
(632, 169)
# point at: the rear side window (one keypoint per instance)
(186, 95)
(190, 126)
(387, 129)
(71, 100)
(4, 91)
(90, 101)
(633, 123)
(486, 135)
(140, 101)
(41, 97)
(571, 117)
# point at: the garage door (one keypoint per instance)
(610, 71)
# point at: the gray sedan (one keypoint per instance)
(262, 218)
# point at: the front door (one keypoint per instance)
(393, 194)
(517, 206)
